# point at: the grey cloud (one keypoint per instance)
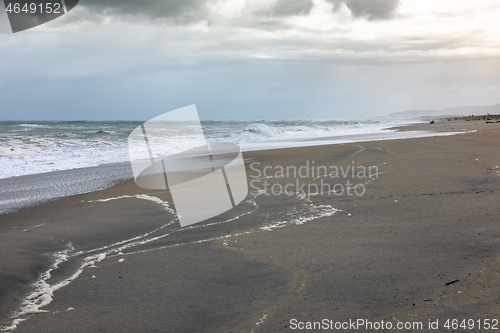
(179, 11)
(289, 8)
(369, 9)
(188, 10)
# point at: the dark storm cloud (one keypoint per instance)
(369, 9)
(185, 10)
(188, 10)
(182, 11)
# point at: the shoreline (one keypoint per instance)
(95, 178)
(24, 191)
(326, 255)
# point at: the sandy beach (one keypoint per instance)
(395, 231)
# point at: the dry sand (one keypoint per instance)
(429, 218)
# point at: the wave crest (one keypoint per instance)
(256, 132)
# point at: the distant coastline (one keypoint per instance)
(448, 112)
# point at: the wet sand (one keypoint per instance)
(429, 217)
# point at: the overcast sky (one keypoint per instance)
(251, 59)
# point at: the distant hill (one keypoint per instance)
(457, 111)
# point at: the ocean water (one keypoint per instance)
(33, 147)
(28, 148)
(43, 160)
